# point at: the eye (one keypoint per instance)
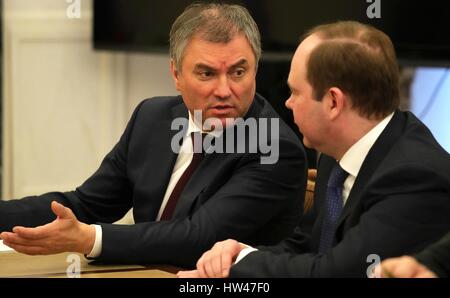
(239, 73)
(205, 74)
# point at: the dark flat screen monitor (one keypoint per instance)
(419, 29)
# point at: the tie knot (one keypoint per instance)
(337, 177)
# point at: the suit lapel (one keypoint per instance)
(163, 158)
(374, 158)
(209, 167)
(202, 177)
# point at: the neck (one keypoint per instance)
(350, 132)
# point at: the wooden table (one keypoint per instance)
(13, 264)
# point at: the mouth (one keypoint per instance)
(221, 109)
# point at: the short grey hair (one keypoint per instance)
(215, 22)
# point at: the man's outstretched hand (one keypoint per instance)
(64, 234)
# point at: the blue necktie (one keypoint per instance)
(333, 205)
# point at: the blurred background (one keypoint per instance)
(73, 71)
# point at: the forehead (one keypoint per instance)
(202, 51)
(298, 64)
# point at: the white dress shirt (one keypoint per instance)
(183, 160)
(351, 162)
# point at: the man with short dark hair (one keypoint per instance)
(383, 182)
(249, 185)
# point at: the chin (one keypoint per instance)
(307, 144)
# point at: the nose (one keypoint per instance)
(288, 103)
(222, 90)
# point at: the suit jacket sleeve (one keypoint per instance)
(399, 216)
(437, 257)
(250, 197)
(108, 199)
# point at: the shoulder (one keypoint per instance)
(406, 159)
(417, 148)
(414, 165)
(159, 103)
(157, 108)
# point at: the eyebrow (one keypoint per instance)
(240, 63)
(202, 66)
(205, 66)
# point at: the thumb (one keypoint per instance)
(60, 210)
(188, 274)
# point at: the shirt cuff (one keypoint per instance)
(97, 248)
(244, 253)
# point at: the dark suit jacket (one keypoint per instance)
(229, 196)
(399, 204)
(436, 257)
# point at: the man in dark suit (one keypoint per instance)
(383, 182)
(241, 193)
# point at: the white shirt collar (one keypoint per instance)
(192, 127)
(353, 159)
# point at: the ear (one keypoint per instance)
(335, 102)
(175, 74)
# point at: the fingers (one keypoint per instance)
(218, 260)
(213, 261)
(227, 261)
(9, 237)
(401, 267)
(209, 265)
(231, 250)
(188, 274)
(389, 270)
(61, 211)
(213, 264)
(4, 236)
(201, 267)
(25, 249)
(386, 268)
(32, 233)
(22, 245)
(425, 273)
(16, 239)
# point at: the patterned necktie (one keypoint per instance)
(333, 205)
(197, 142)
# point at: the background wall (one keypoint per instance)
(65, 105)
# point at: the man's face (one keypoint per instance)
(217, 78)
(308, 112)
